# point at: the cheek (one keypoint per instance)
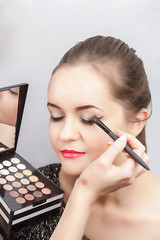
(9, 110)
(97, 143)
(53, 135)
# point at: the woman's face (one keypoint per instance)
(75, 95)
(8, 106)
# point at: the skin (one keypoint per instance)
(103, 184)
(8, 106)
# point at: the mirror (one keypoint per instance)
(8, 116)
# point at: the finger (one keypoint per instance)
(134, 143)
(140, 170)
(112, 152)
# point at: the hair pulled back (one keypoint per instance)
(131, 88)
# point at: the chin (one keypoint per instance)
(72, 169)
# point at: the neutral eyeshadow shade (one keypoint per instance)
(39, 185)
(27, 172)
(22, 190)
(2, 181)
(33, 178)
(20, 200)
(31, 187)
(4, 172)
(29, 197)
(24, 181)
(7, 163)
(18, 175)
(13, 169)
(10, 178)
(15, 160)
(1, 149)
(14, 194)
(1, 166)
(46, 191)
(21, 166)
(37, 194)
(16, 184)
(7, 187)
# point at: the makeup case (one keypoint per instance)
(24, 192)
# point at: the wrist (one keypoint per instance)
(82, 194)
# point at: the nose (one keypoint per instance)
(69, 130)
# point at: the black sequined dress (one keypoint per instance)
(42, 227)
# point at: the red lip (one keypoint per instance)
(71, 153)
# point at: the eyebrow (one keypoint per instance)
(77, 108)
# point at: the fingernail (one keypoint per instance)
(117, 130)
(123, 138)
(109, 143)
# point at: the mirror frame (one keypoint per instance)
(21, 103)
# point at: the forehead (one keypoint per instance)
(78, 83)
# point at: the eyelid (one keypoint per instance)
(13, 92)
(89, 121)
(56, 113)
(90, 118)
(56, 119)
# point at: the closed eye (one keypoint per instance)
(87, 122)
(13, 92)
(56, 119)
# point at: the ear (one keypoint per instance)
(139, 121)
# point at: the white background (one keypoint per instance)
(34, 34)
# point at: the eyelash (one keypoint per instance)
(13, 92)
(56, 119)
(86, 122)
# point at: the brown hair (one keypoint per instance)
(132, 87)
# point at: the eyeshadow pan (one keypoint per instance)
(18, 175)
(16, 184)
(22, 190)
(2, 181)
(7, 163)
(37, 194)
(27, 172)
(31, 187)
(20, 200)
(10, 178)
(15, 160)
(24, 181)
(1, 149)
(39, 185)
(21, 166)
(4, 172)
(8, 187)
(33, 178)
(1, 166)
(29, 197)
(13, 169)
(46, 191)
(14, 194)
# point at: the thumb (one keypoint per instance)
(114, 150)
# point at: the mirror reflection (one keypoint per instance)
(8, 117)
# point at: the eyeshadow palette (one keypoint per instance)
(24, 192)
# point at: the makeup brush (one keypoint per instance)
(115, 137)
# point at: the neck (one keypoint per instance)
(66, 183)
(123, 197)
(133, 195)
